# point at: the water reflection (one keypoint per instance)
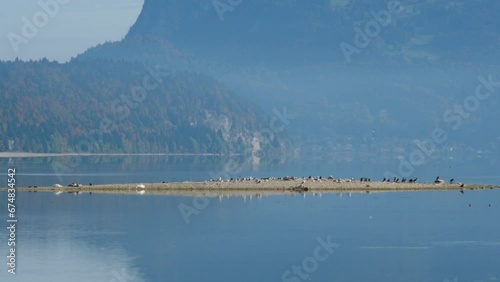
(158, 168)
(57, 260)
(58, 243)
(403, 236)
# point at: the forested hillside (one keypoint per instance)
(104, 106)
(401, 81)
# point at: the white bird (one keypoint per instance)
(140, 186)
(57, 185)
(439, 181)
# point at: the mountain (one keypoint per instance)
(366, 74)
(278, 33)
(105, 106)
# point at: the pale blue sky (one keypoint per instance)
(78, 25)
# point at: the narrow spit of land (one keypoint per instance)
(259, 186)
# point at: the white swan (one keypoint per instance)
(140, 186)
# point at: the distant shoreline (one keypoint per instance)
(256, 188)
(45, 155)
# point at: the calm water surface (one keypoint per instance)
(402, 236)
(410, 236)
(147, 169)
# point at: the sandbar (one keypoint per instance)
(260, 186)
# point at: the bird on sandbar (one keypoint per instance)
(438, 181)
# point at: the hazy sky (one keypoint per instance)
(63, 30)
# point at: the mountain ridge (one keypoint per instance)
(276, 32)
(277, 54)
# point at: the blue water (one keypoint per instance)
(401, 236)
(132, 169)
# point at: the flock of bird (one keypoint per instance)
(403, 180)
(329, 178)
(289, 178)
(140, 188)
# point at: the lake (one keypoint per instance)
(400, 236)
(147, 169)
